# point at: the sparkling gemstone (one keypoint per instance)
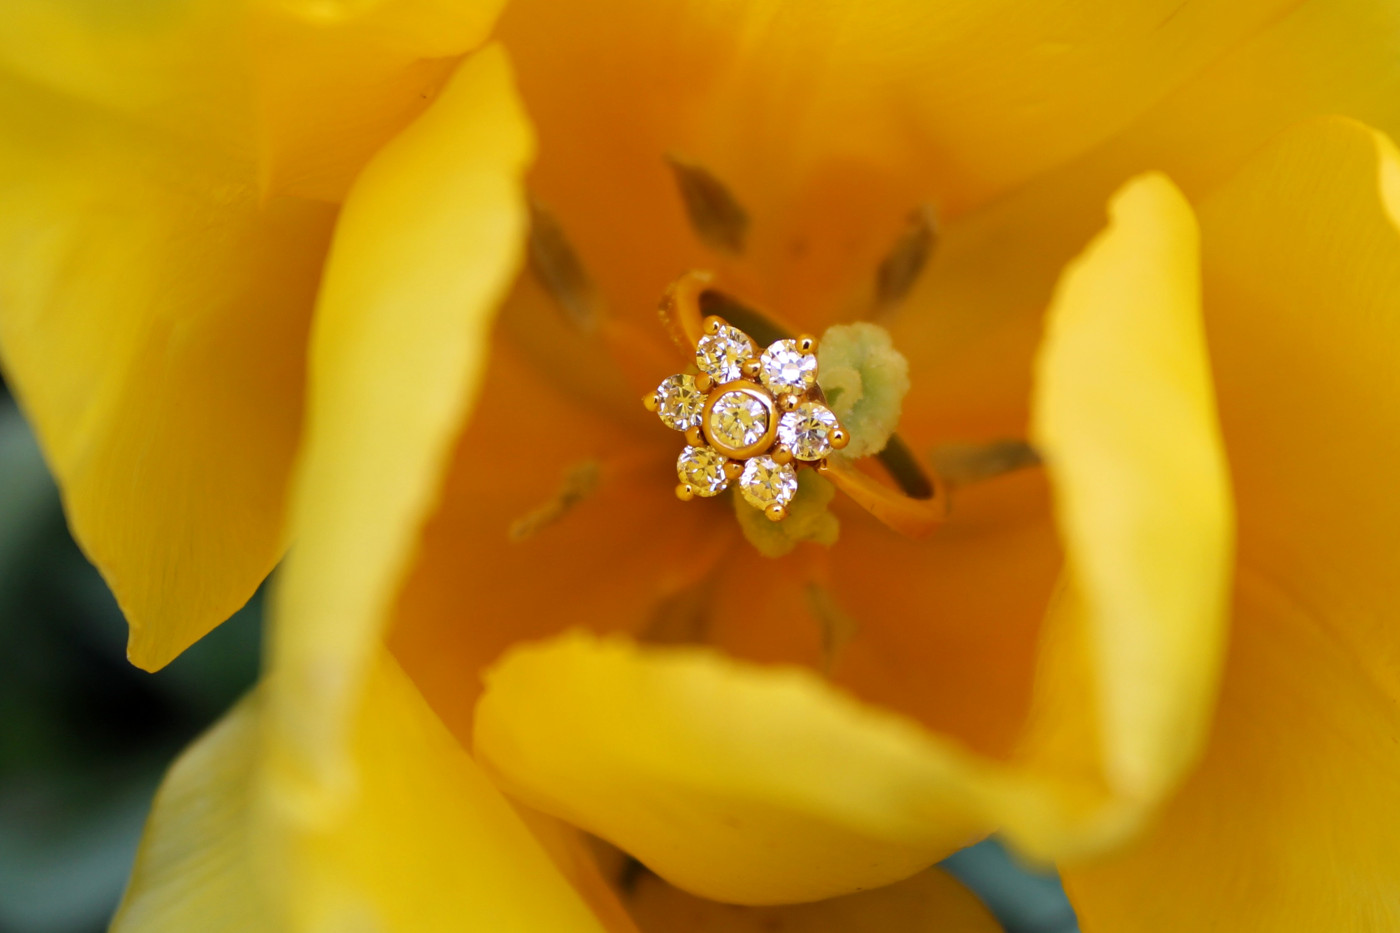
(806, 430)
(703, 469)
(785, 368)
(723, 354)
(679, 403)
(738, 420)
(765, 482)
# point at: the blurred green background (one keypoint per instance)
(85, 737)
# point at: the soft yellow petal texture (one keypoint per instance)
(425, 248)
(767, 785)
(1123, 380)
(930, 901)
(336, 81)
(1290, 825)
(153, 318)
(970, 328)
(201, 864)
(309, 88)
(829, 122)
(425, 842)
(739, 783)
(155, 293)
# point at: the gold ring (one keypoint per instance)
(755, 413)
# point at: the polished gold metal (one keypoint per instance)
(915, 508)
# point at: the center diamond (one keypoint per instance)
(738, 420)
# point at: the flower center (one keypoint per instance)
(740, 420)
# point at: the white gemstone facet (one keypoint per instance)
(785, 368)
(738, 420)
(679, 403)
(806, 431)
(766, 482)
(703, 469)
(722, 355)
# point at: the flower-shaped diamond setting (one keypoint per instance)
(748, 418)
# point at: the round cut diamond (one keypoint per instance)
(723, 354)
(785, 368)
(806, 430)
(738, 420)
(703, 469)
(680, 403)
(766, 482)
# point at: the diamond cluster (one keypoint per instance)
(750, 418)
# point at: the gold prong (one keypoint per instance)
(781, 454)
(703, 382)
(776, 512)
(733, 469)
(839, 439)
(713, 323)
(685, 492)
(822, 465)
(650, 401)
(694, 438)
(788, 401)
(807, 343)
(751, 369)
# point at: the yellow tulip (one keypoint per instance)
(378, 278)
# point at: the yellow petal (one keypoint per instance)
(202, 864)
(424, 250)
(932, 900)
(339, 79)
(738, 783)
(1290, 825)
(308, 87)
(425, 843)
(1124, 416)
(154, 333)
(784, 789)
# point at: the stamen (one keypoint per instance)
(715, 214)
(865, 379)
(965, 464)
(560, 270)
(837, 627)
(808, 518)
(906, 259)
(580, 480)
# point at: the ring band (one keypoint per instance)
(772, 411)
